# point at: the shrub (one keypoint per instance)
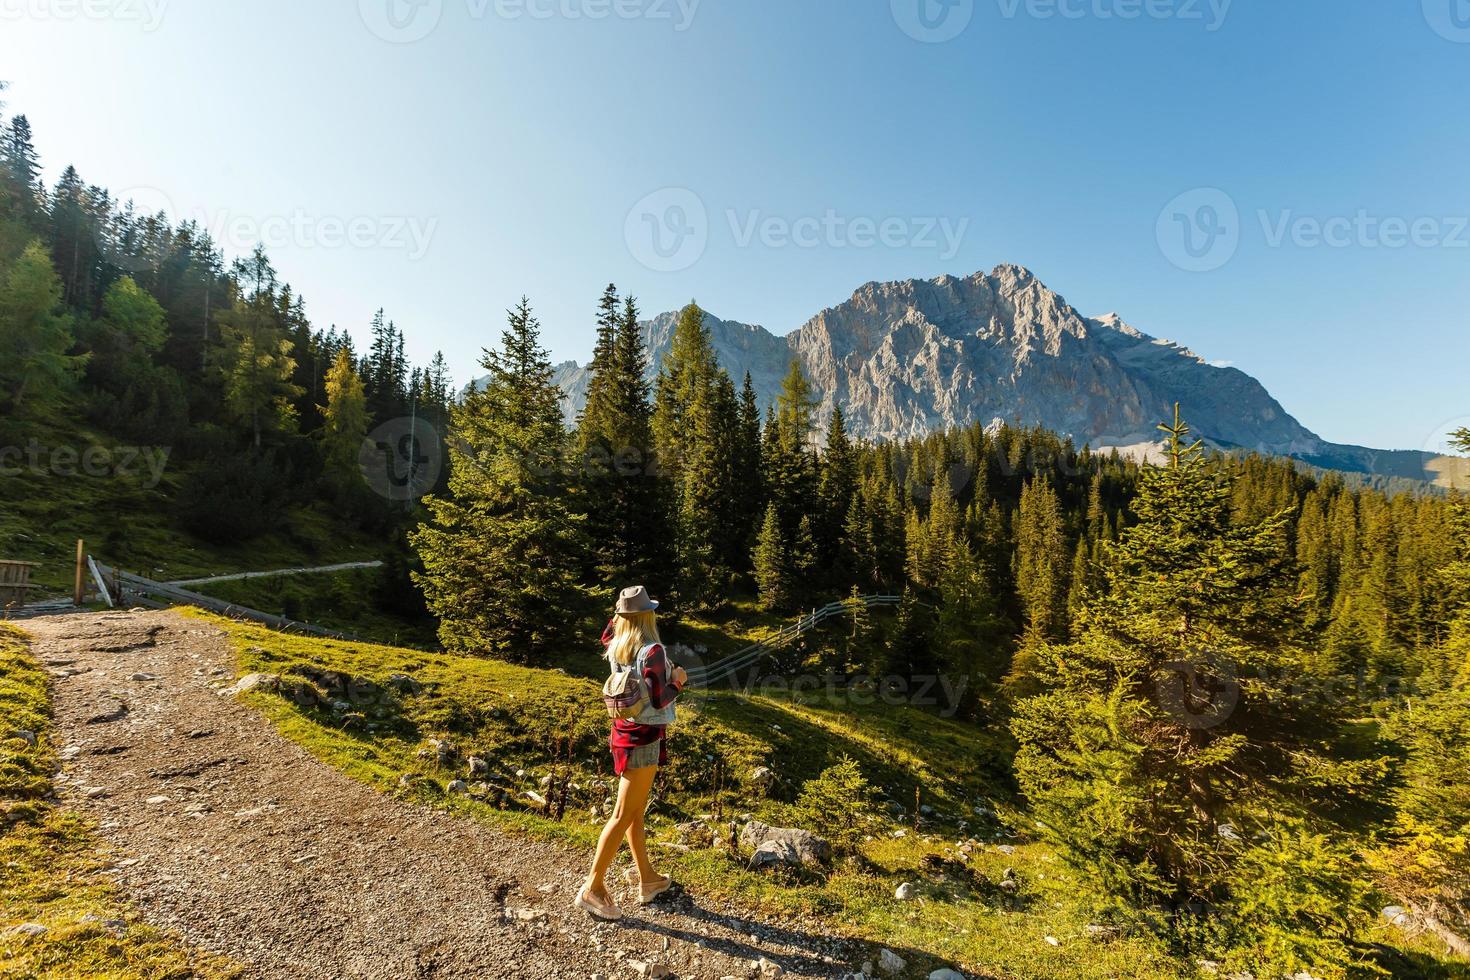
(1294, 906)
(837, 804)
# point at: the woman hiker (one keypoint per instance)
(632, 643)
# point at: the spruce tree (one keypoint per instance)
(501, 552)
(1174, 711)
(696, 435)
(36, 365)
(344, 424)
(771, 564)
(837, 484)
(1041, 560)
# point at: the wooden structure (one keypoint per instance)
(15, 583)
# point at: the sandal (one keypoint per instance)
(607, 913)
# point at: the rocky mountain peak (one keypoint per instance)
(909, 357)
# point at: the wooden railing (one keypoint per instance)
(726, 667)
(119, 588)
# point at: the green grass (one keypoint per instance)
(127, 523)
(531, 719)
(51, 865)
(344, 601)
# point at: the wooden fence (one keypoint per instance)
(119, 588)
(726, 668)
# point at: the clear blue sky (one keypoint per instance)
(520, 134)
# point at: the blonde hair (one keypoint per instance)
(631, 633)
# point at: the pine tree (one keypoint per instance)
(20, 173)
(596, 427)
(1173, 709)
(628, 503)
(35, 336)
(501, 553)
(771, 563)
(838, 482)
(345, 424)
(1041, 560)
(749, 505)
(695, 429)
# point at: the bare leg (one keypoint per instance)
(638, 844)
(632, 798)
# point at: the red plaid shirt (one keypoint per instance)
(661, 691)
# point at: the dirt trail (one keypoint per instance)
(236, 838)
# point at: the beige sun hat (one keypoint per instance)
(634, 599)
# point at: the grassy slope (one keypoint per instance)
(51, 867)
(337, 600)
(129, 524)
(524, 718)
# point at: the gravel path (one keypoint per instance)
(245, 845)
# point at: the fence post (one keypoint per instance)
(77, 592)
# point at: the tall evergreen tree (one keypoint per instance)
(501, 553)
(772, 564)
(345, 424)
(35, 336)
(1174, 712)
(1041, 560)
(255, 355)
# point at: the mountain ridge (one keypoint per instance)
(908, 357)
